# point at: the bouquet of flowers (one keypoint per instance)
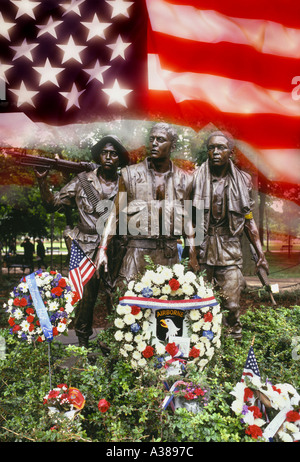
(283, 397)
(176, 285)
(64, 399)
(59, 300)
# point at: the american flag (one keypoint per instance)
(251, 367)
(81, 268)
(200, 63)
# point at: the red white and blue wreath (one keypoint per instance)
(168, 314)
(58, 301)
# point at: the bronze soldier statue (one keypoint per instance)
(85, 191)
(224, 192)
(148, 195)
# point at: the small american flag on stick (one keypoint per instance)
(81, 268)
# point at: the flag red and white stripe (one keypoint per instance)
(81, 268)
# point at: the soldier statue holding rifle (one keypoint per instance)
(85, 191)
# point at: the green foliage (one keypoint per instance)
(135, 414)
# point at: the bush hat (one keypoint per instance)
(114, 140)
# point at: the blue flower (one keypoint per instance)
(208, 334)
(196, 296)
(135, 327)
(147, 292)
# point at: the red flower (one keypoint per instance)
(53, 394)
(148, 352)
(30, 319)
(103, 405)
(16, 328)
(194, 353)
(29, 310)
(16, 302)
(75, 298)
(23, 301)
(53, 272)
(199, 392)
(55, 331)
(62, 283)
(39, 339)
(57, 291)
(11, 321)
(208, 317)
(174, 284)
(172, 349)
(292, 416)
(248, 394)
(189, 395)
(135, 310)
(31, 327)
(256, 412)
(254, 430)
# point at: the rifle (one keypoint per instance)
(67, 166)
(262, 275)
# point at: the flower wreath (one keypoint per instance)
(132, 322)
(258, 403)
(58, 297)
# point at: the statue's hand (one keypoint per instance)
(262, 263)
(101, 261)
(41, 173)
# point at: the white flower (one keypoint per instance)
(196, 327)
(195, 315)
(156, 291)
(163, 297)
(142, 362)
(160, 349)
(61, 327)
(285, 437)
(194, 338)
(187, 289)
(53, 305)
(138, 338)
(190, 277)
(147, 313)
(136, 355)
(25, 326)
(237, 406)
(138, 287)
(178, 270)
(123, 353)
(129, 319)
(118, 335)
(18, 314)
(141, 346)
(206, 326)
(120, 310)
(128, 337)
(131, 285)
(23, 287)
(291, 427)
(167, 273)
(119, 323)
(128, 347)
(166, 289)
(158, 279)
(129, 293)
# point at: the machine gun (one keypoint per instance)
(22, 158)
(262, 275)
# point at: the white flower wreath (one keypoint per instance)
(133, 319)
(281, 399)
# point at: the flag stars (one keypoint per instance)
(96, 72)
(72, 97)
(96, 27)
(71, 50)
(49, 28)
(118, 48)
(25, 7)
(48, 73)
(24, 95)
(120, 7)
(116, 94)
(4, 27)
(24, 50)
(72, 7)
